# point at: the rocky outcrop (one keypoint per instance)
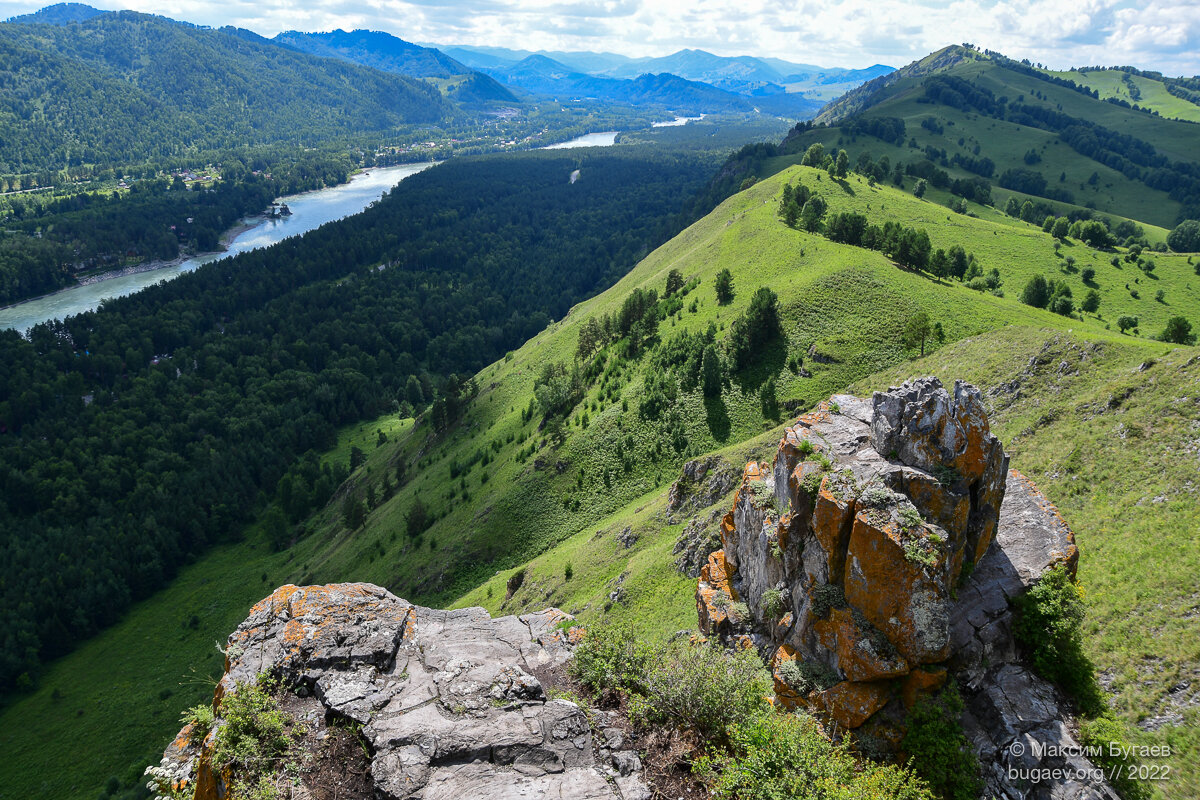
(876, 557)
(449, 702)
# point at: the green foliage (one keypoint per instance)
(1108, 736)
(757, 326)
(1185, 237)
(697, 687)
(612, 657)
(1049, 620)
(558, 388)
(775, 756)
(254, 738)
(1178, 331)
(807, 676)
(938, 749)
(201, 719)
(917, 330)
(826, 597)
(772, 603)
(723, 285)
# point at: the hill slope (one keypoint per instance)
(1041, 136)
(506, 483)
(124, 87)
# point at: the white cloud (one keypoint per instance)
(1154, 34)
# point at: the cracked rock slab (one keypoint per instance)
(448, 701)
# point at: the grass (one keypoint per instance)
(1154, 94)
(542, 504)
(1006, 143)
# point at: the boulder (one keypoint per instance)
(899, 537)
(449, 701)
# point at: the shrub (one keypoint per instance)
(773, 605)
(201, 717)
(611, 657)
(1048, 625)
(776, 756)
(706, 689)
(938, 749)
(806, 676)
(254, 738)
(1106, 733)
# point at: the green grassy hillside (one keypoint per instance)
(1151, 93)
(965, 130)
(502, 488)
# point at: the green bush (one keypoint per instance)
(201, 717)
(1048, 625)
(775, 756)
(938, 749)
(1103, 732)
(612, 657)
(254, 739)
(772, 603)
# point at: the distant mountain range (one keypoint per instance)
(747, 75)
(79, 85)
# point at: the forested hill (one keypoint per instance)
(135, 437)
(375, 49)
(126, 87)
(1004, 129)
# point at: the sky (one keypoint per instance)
(1151, 34)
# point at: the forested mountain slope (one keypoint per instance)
(376, 49)
(126, 87)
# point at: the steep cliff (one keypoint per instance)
(875, 560)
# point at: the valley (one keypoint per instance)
(531, 315)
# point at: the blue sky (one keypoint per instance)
(1153, 34)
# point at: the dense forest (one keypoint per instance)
(47, 239)
(126, 87)
(134, 437)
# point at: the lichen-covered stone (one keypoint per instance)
(448, 700)
(851, 703)
(900, 538)
(860, 656)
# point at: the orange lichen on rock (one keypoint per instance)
(857, 656)
(832, 522)
(921, 683)
(786, 695)
(713, 593)
(851, 703)
(895, 593)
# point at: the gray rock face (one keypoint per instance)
(865, 524)
(448, 700)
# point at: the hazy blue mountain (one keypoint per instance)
(376, 49)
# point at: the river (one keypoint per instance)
(604, 139)
(675, 123)
(309, 210)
